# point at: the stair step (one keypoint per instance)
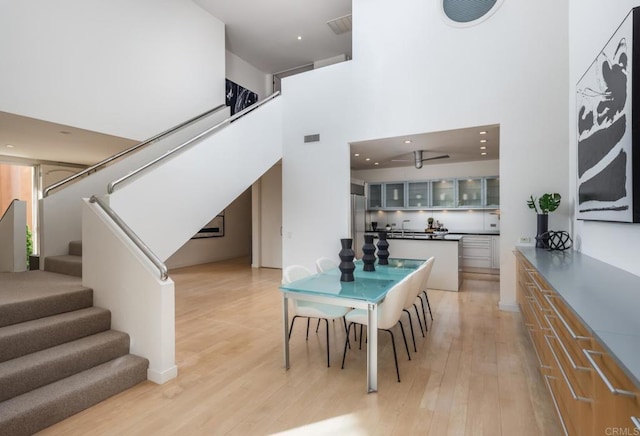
(65, 264)
(28, 337)
(35, 370)
(43, 407)
(75, 248)
(36, 294)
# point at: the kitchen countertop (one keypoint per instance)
(603, 297)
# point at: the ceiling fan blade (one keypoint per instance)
(444, 156)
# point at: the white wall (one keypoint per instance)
(236, 241)
(591, 24)
(420, 75)
(129, 69)
(247, 76)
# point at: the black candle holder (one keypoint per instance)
(368, 256)
(346, 260)
(383, 249)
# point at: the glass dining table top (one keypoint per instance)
(371, 286)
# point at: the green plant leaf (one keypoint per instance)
(532, 204)
(549, 202)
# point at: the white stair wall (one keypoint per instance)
(170, 202)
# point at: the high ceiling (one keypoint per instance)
(265, 34)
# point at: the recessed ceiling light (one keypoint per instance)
(376, 163)
(407, 141)
(483, 147)
(483, 140)
(368, 159)
(356, 154)
(484, 132)
(10, 146)
(484, 153)
(299, 38)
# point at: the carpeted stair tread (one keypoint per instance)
(37, 294)
(43, 407)
(64, 264)
(75, 248)
(31, 336)
(35, 370)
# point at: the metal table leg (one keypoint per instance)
(285, 328)
(372, 348)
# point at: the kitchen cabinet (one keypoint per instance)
(374, 199)
(481, 253)
(394, 195)
(469, 193)
(443, 194)
(417, 195)
(492, 192)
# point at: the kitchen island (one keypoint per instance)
(447, 269)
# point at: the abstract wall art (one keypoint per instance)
(239, 98)
(608, 149)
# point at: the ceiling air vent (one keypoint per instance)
(462, 13)
(312, 138)
(340, 25)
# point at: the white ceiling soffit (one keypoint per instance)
(341, 24)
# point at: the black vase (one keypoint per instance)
(383, 249)
(368, 256)
(542, 238)
(346, 260)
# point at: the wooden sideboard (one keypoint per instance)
(594, 387)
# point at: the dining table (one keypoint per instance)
(366, 291)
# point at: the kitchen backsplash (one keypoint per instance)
(454, 221)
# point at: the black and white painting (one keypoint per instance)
(606, 148)
(239, 98)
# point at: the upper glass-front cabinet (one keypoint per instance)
(470, 192)
(443, 194)
(394, 195)
(492, 191)
(417, 195)
(374, 199)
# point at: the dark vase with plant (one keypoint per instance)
(547, 203)
(346, 265)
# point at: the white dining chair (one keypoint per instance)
(325, 264)
(307, 309)
(389, 312)
(415, 283)
(428, 265)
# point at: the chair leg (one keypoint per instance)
(344, 354)
(405, 339)
(395, 356)
(426, 297)
(308, 321)
(419, 320)
(318, 325)
(360, 337)
(291, 328)
(328, 361)
(424, 314)
(413, 336)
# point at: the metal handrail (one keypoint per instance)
(111, 186)
(164, 273)
(131, 149)
(7, 209)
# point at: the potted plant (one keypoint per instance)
(546, 203)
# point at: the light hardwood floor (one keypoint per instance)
(474, 374)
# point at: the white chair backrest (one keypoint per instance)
(415, 285)
(390, 309)
(428, 266)
(325, 263)
(295, 272)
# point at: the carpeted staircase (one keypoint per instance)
(70, 264)
(58, 355)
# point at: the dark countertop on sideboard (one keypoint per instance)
(605, 298)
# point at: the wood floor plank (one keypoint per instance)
(474, 372)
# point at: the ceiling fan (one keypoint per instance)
(418, 159)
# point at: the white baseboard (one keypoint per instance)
(508, 307)
(161, 377)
